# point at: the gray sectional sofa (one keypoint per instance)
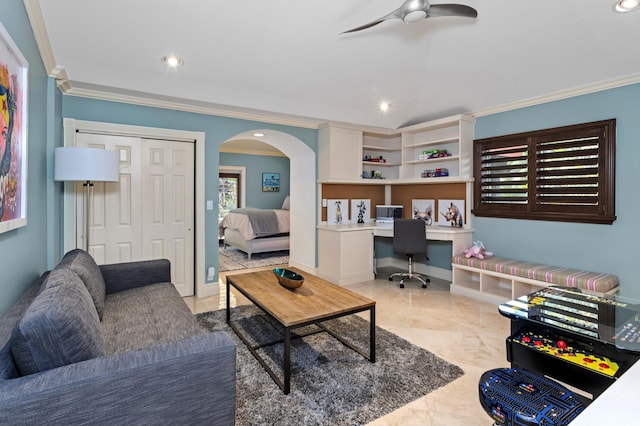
(111, 344)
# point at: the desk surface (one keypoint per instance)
(386, 230)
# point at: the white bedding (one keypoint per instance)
(241, 223)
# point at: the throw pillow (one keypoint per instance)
(60, 327)
(81, 262)
(285, 204)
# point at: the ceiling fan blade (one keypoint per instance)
(364, 27)
(437, 10)
(396, 14)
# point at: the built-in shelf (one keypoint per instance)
(434, 160)
(339, 147)
(434, 142)
(378, 148)
(379, 164)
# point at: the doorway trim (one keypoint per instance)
(302, 189)
(72, 126)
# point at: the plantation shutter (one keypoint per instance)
(567, 173)
(562, 174)
(504, 175)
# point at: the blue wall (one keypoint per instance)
(217, 130)
(598, 248)
(24, 251)
(255, 166)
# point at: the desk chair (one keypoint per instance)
(409, 237)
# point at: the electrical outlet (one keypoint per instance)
(211, 273)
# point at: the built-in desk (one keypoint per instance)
(345, 252)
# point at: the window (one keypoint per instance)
(228, 193)
(562, 174)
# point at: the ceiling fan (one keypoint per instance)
(416, 10)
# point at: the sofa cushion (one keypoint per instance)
(8, 369)
(145, 316)
(81, 262)
(60, 327)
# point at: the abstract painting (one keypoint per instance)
(13, 140)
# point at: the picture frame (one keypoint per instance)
(338, 211)
(271, 182)
(360, 210)
(425, 210)
(13, 139)
(451, 212)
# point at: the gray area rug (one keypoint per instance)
(330, 383)
(234, 259)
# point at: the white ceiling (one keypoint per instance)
(287, 57)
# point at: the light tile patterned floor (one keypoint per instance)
(464, 331)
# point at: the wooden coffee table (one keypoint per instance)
(315, 301)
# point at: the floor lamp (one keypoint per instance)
(87, 165)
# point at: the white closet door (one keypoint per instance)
(149, 212)
(115, 225)
(168, 214)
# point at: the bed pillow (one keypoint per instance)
(285, 204)
(60, 327)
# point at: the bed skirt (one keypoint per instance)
(233, 238)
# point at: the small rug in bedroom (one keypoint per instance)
(330, 383)
(232, 259)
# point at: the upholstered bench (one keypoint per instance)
(499, 279)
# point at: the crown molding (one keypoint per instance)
(563, 94)
(34, 12)
(144, 99)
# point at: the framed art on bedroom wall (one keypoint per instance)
(271, 182)
(13, 141)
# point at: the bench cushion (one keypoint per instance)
(591, 281)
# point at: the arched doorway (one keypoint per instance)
(302, 159)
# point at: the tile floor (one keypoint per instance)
(464, 331)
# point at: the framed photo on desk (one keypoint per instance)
(360, 211)
(337, 211)
(424, 209)
(451, 212)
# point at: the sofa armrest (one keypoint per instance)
(128, 275)
(189, 381)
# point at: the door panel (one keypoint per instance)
(168, 223)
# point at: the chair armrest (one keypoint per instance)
(128, 275)
(189, 381)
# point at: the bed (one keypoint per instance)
(256, 230)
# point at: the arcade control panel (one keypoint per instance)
(584, 340)
(560, 349)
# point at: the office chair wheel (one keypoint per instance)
(390, 279)
(401, 285)
(424, 286)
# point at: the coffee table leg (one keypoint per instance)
(287, 360)
(228, 303)
(372, 334)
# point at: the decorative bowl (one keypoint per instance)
(288, 278)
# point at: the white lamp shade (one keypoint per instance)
(85, 164)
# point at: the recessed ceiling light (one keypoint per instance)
(172, 61)
(384, 106)
(627, 5)
(258, 135)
